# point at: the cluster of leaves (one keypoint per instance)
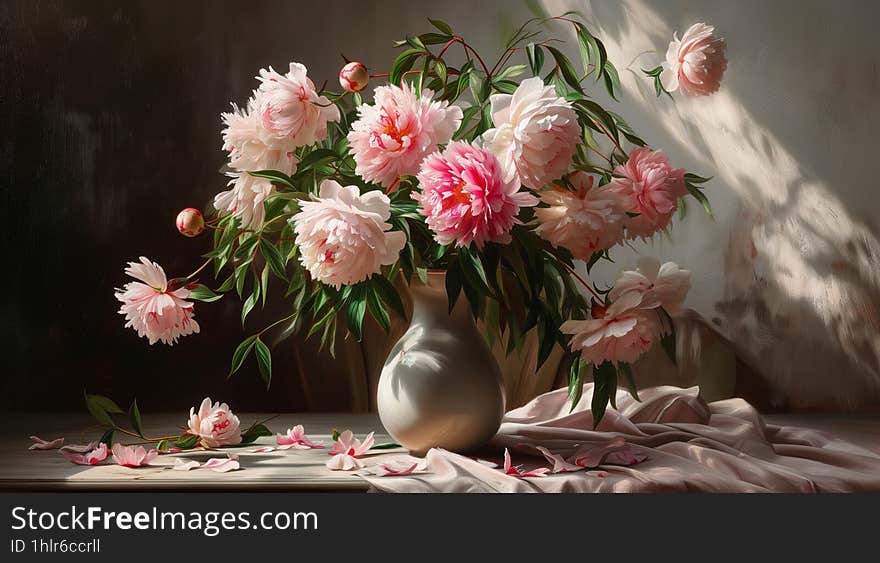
(513, 288)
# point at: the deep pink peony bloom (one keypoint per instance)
(394, 135)
(535, 135)
(290, 108)
(214, 424)
(153, 309)
(663, 285)
(695, 64)
(584, 221)
(465, 197)
(621, 334)
(129, 456)
(651, 187)
(344, 237)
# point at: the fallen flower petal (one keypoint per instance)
(181, 465)
(615, 452)
(128, 456)
(347, 450)
(263, 450)
(515, 471)
(40, 444)
(296, 438)
(93, 456)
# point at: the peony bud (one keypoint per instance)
(354, 77)
(190, 222)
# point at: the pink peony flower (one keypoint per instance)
(214, 424)
(392, 137)
(128, 456)
(515, 471)
(465, 197)
(290, 108)
(354, 77)
(249, 148)
(661, 286)
(245, 199)
(190, 222)
(154, 310)
(536, 133)
(651, 187)
(296, 438)
(40, 444)
(621, 333)
(695, 64)
(347, 451)
(92, 454)
(586, 221)
(343, 236)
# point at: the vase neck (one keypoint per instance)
(431, 303)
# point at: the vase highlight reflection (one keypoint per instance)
(440, 386)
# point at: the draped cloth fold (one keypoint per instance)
(687, 445)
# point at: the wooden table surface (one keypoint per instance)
(21, 468)
(294, 470)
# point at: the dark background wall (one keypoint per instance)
(110, 125)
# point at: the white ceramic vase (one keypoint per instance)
(440, 386)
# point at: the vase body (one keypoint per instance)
(440, 386)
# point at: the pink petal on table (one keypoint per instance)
(79, 448)
(40, 444)
(560, 465)
(181, 465)
(615, 452)
(92, 457)
(221, 465)
(128, 456)
(296, 438)
(263, 450)
(515, 471)
(344, 462)
(390, 471)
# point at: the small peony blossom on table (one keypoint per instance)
(91, 454)
(347, 451)
(354, 77)
(214, 424)
(535, 135)
(344, 236)
(584, 221)
(291, 109)
(651, 188)
(40, 444)
(622, 333)
(394, 134)
(465, 197)
(663, 285)
(155, 311)
(695, 63)
(129, 456)
(296, 438)
(190, 222)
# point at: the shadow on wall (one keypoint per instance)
(790, 140)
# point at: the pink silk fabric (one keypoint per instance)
(688, 445)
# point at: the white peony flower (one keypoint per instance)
(536, 133)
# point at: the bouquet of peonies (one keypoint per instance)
(501, 175)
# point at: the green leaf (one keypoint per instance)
(701, 197)
(536, 58)
(134, 416)
(250, 303)
(203, 293)
(101, 407)
(314, 158)
(656, 71)
(389, 295)
(264, 361)
(264, 284)
(626, 370)
(163, 445)
(468, 114)
(453, 283)
(604, 388)
(440, 70)
(275, 176)
(378, 312)
(575, 381)
(478, 86)
(668, 338)
(441, 25)
(186, 442)
(354, 314)
(612, 80)
(386, 446)
(273, 258)
(241, 352)
(254, 432)
(107, 437)
(511, 72)
(565, 67)
(473, 270)
(402, 64)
